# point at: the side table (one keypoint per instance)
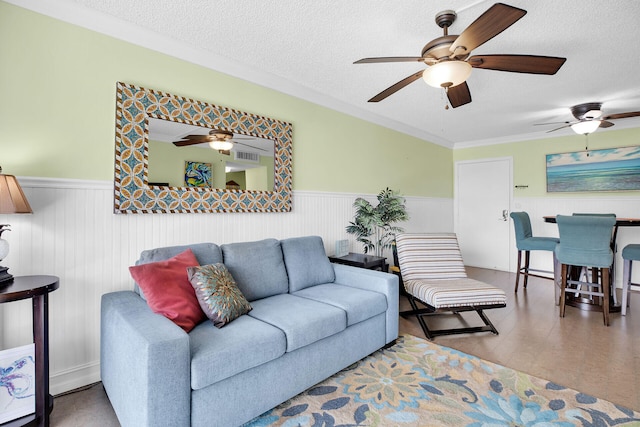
(370, 262)
(37, 288)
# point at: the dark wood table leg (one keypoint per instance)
(41, 342)
(37, 289)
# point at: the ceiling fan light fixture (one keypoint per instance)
(221, 144)
(585, 127)
(447, 73)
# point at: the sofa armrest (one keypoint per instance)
(144, 363)
(377, 281)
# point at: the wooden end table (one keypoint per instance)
(37, 288)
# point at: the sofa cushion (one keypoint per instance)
(359, 304)
(217, 354)
(258, 267)
(303, 320)
(206, 253)
(306, 261)
(168, 291)
(217, 293)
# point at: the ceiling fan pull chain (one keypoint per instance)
(586, 147)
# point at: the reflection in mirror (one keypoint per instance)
(174, 174)
(248, 165)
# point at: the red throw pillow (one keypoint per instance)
(166, 287)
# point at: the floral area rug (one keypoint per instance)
(418, 383)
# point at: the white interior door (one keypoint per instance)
(482, 201)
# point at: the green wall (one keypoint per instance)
(529, 158)
(238, 177)
(57, 118)
(57, 115)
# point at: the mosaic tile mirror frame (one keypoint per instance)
(132, 192)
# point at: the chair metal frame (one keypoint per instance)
(430, 311)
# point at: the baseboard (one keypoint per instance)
(74, 378)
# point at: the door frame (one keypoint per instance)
(456, 202)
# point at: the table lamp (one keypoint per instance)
(12, 200)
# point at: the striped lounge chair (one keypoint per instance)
(433, 274)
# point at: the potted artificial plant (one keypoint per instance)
(373, 225)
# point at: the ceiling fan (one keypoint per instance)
(589, 118)
(448, 61)
(221, 140)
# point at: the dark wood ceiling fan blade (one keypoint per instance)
(459, 95)
(390, 59)
(495, 20)
(396, 87)
(531, 64)
(622, 115)
(605, 124)
(186, 143)
(200, 138)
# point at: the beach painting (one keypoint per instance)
(610, 169)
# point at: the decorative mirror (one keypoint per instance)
(170, 156)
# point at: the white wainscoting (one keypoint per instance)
(73, 234)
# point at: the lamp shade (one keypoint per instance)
(12, 199)
(447, 73)
(585, 127)
(218, 144)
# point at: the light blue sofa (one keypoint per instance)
(310, 319)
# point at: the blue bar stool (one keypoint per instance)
(630, 253)
(585, 241)
(613, 248)
(525, 242)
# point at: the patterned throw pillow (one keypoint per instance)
(218, 293)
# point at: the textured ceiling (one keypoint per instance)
(307, 49)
